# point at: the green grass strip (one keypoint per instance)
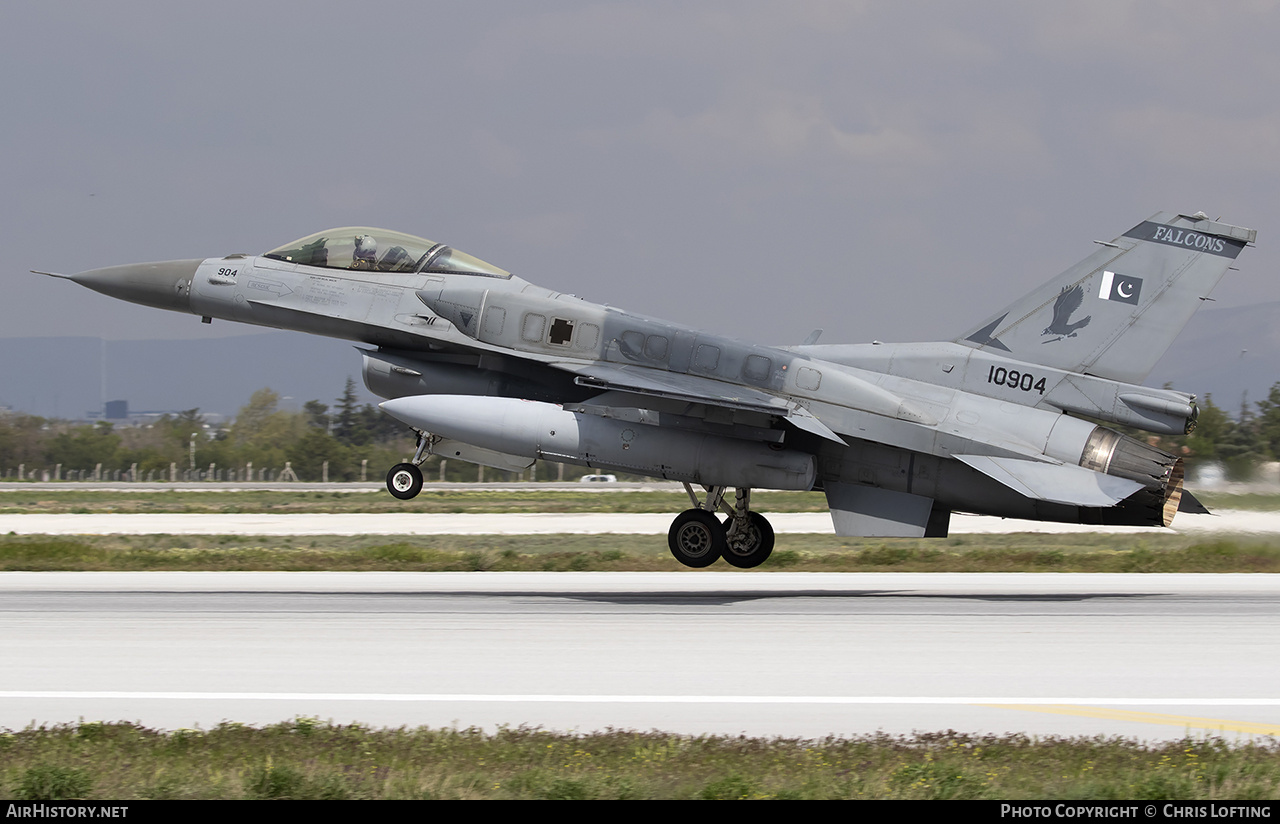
(310, 759)
(1024, 552)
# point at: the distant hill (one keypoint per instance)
(1223, 352)
(62, 377)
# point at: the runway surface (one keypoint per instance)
(407, 523)
(792, 654)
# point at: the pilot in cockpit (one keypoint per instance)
(366, 253)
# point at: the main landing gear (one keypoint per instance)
(405, 479)
(744, 539)
(697, 538)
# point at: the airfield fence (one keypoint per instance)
(248, 473)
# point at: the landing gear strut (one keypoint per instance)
(697, 538)
(748, 535)
(405, 479)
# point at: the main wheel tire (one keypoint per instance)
(696, 538)
(750, 547)
(404, 481)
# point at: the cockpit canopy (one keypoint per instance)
(380, 250)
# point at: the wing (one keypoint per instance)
(694, 389)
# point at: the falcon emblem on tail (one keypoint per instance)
(1069, 300)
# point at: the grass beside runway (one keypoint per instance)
(1024, 552)
(307, 501)
(308, 759)
(304, 501)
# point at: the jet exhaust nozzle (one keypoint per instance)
(1160, 473)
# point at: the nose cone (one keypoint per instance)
(164, 285)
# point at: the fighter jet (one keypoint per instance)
(1002, 420)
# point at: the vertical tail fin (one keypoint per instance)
(1115, 313)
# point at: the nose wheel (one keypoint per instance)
(404, 481)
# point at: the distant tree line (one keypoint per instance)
(351, 437)
(1240, 443)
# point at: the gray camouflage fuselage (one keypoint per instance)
(898, 435)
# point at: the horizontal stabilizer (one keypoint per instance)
(1057, 483)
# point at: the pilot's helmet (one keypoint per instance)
(366, 247)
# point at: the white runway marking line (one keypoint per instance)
(642, 699)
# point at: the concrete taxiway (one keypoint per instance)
(792, 654)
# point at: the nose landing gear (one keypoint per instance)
(405, 479)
